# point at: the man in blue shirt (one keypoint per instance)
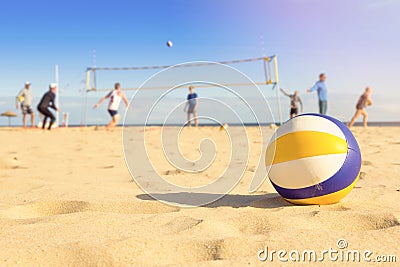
(192, 103)
(320, 87)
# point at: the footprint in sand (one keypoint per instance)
(11, 164)
(180, 224)
(19, 167)
(251, 169)
(107, 167)
(172, 172)
(252, 224)
(394, 143)
(367, 163)
(363, 175)
(335, 207)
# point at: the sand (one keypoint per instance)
(67, 199)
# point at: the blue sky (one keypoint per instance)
(355, 42)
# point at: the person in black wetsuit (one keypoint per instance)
(48, 101)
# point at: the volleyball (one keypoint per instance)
(313, 159)
(169, 43)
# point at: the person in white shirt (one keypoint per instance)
(115, 97)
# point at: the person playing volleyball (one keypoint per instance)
(294, 99)
(48, 101)
(24, 99)
(322, 90)
(191, 106)
(363, 102)
(115, 97)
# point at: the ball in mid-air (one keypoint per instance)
(313, 159)
(169, 44)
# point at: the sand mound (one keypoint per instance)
(253, 224)
(52, 208)
(3, 164)
(170, 251)
(152, 207)
(75, 254)
(353, 221)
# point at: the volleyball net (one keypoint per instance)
(263, 72)
(270, 68)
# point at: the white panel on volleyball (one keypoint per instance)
(310, 123)
(306, 172)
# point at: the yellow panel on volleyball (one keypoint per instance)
(303, 144)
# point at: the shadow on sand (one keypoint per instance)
(269, 200)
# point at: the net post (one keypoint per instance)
(57, 100)
(86, 107)
(265, 70)
(87, 79)
(94, 80)
(275, 60)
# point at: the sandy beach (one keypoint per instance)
(67, 199)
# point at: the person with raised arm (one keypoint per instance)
(294, 99)
(322, 90)
(115, 97)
